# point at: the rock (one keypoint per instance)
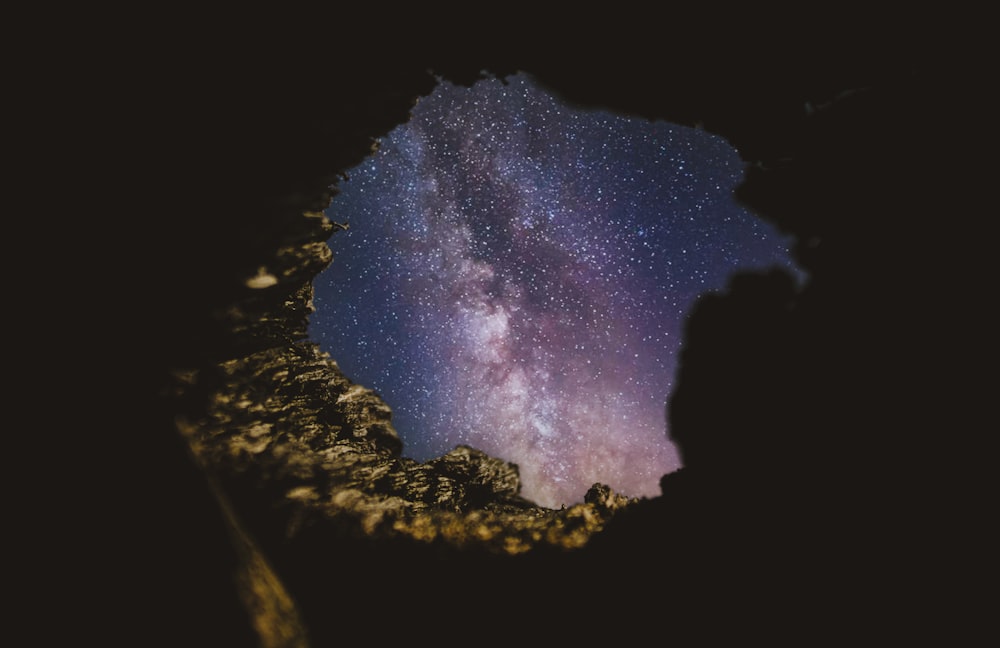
(748, 541)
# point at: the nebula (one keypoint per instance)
(516, 277)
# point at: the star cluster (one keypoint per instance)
(516, 277)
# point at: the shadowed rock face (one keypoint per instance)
(303, 461)
(271, 503)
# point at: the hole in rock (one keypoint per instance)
(517, 273)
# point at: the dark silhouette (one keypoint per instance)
(820, 426)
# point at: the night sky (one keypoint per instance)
(516, 278)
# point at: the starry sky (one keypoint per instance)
(517, 274)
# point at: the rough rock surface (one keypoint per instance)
(296, 451)
(313, 443)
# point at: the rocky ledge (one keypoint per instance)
(302, 460)
(315, 444)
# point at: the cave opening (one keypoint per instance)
(514, 273)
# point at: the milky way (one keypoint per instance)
(516, 277)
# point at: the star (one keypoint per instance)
(517, 275)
